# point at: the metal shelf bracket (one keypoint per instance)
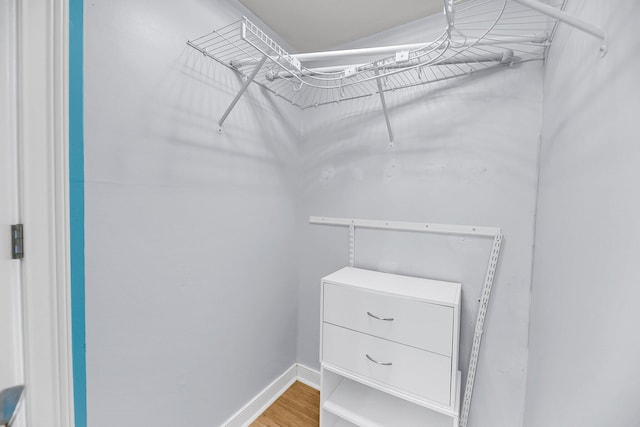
(384, 106)
(244, 87)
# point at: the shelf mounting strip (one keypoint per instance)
(459, 230)
(477, 35)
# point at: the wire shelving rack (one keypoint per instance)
(477, 35)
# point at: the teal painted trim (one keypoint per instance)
(76, 209)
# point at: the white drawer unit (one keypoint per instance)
(395, 318)
(389, 350)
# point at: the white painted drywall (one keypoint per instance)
(584, 345)
(190, 259)
(465, 153)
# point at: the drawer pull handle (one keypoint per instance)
(379, 363)
(386, 319)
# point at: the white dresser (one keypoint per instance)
(389, 350)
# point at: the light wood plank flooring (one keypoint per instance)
(299, 406)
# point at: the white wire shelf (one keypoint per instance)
(477, 35)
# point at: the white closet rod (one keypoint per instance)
(320, 56)
(504, 57)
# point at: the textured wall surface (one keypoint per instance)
(465, 153)
(191, 285)
(585, 346)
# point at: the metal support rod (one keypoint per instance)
(384, 106)
(566, 18)
(242, 90)
(450, 14)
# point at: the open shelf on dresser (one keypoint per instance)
(367, 407)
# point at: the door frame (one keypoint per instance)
(43, 124)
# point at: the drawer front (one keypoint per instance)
(419, 372)
(415, 323)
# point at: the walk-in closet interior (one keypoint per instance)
(272, 187)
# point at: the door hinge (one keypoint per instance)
(17, 241)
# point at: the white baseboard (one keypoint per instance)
(256, 406)
(308, 376)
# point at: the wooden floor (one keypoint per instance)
(299, 406)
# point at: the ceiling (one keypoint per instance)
(310, 26)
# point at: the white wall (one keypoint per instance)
(465, 153)
(193, 238)
(585, 346)
(191, 285)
